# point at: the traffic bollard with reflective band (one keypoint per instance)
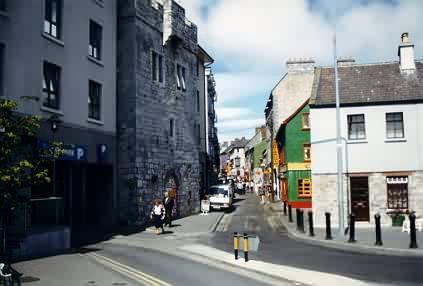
(352, 228)
(328, 228)
(413, 235)
(246, 247)
(284, 208)
(378, 230)
(236, 239)
(310, 223)
(290, 213)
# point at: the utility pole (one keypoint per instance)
(339, 180)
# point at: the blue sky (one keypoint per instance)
(251, 40)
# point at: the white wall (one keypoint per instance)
(376, 153)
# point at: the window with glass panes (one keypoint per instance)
(157, 67)
(180, 77)
(397, 188)
(52, 18)
(51, 85)
(307, 152)
(94, 47)
(394, 125)
(94, 100)
(356, 127)
(304, 188)
(305, 120)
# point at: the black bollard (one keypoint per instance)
(290, 213)
(246, 247)
(301, 221)
(413, 235)
(236, 239)
(352, 229)
(284, 208)
(378, 230)
(297, 217)
(328, 229)
(310, 223)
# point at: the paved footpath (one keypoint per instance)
(395, 242)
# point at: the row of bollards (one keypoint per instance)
(328, 236)
(236, 246)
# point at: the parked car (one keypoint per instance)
(220, 196)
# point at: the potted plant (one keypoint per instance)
(398, 216)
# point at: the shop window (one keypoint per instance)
(394, 125)
(94, 48)
(307, 152)
(305, 121)
(304, 188)
(51, 85)
(53, 18)
(397, 188)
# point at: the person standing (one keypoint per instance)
(168, 205)
(158, 214)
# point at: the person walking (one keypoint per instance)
(261, 194)
(158, 214)
(168, 205)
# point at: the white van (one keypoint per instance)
(220, 196)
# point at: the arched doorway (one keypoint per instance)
(171, 186)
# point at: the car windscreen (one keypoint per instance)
(218, 191)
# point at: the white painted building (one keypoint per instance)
(381, 126)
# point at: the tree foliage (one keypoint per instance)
(20, 162)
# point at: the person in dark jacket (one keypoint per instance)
(168, 205)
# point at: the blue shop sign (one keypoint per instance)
(71, 152)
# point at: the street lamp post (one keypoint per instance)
(54, 126)
(339, 181)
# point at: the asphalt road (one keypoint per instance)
(276, 247)
(172, 269)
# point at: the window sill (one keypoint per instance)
(4, 14)
(94, 60)
(53, 39)
(51, 110)
(394, 140)
(95, 121)
(361, 141)
(99, 3)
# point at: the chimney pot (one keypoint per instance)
(404, 37)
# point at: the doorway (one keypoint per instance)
(360, 198)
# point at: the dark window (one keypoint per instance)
(397, 192)
(51, 85)
(2, 5)
(171, 128)
(157, 67)
(197, 71)
(394, 125)
(2, 69)
(52, 18)
(180, 77)
(198, 101)
(94, 48)
(356, 127)
(94, 100)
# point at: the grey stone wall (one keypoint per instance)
(148, 155)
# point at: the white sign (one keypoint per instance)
(205, 206)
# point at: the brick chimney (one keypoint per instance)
(406, 55)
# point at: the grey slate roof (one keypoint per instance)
(367, 84)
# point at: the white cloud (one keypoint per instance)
(228, 113)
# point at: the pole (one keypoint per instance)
(338, 145)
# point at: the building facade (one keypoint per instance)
(236, 157)
(381, 123)
(70, 67)
(159, 134)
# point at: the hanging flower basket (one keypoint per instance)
(398, 217)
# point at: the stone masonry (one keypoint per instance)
(149, 157)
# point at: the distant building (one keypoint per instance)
(381, 129)
(236, 154)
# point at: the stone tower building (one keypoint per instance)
(158, 125)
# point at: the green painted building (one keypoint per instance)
(293, 140)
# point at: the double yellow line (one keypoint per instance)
(128, 271)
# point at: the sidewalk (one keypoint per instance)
(68, 270)
(394, 241)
